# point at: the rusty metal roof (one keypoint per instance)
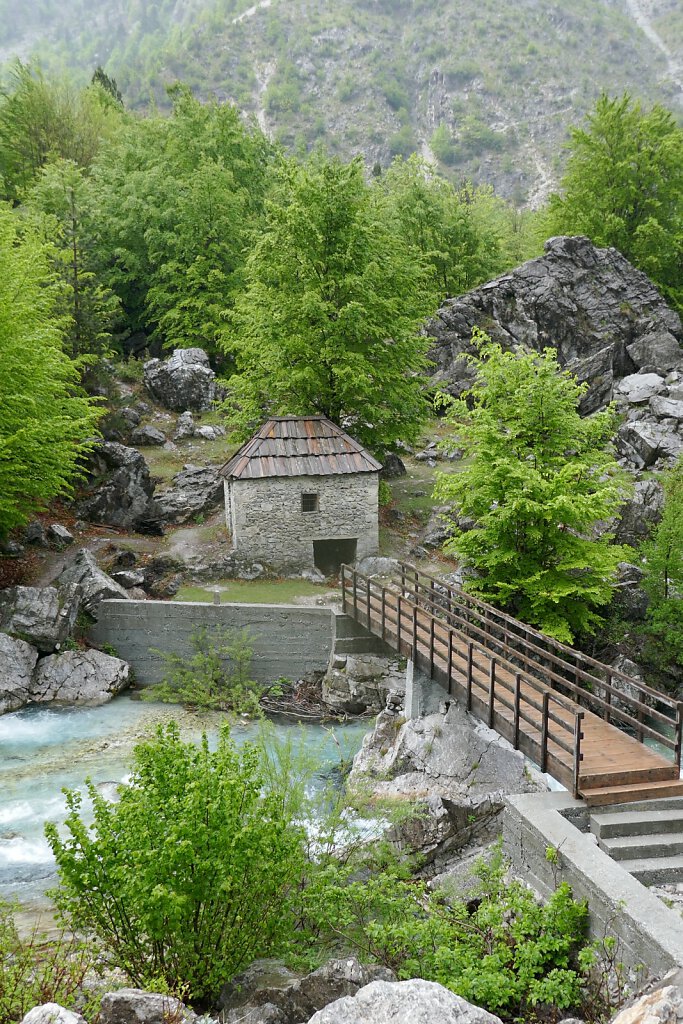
(299, 446)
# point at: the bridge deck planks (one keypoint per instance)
(614, 766)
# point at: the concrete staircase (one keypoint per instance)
(645, 838)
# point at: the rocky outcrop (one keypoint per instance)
(52, 1013)
(123, 489)
(134, 1006)
(185, 381)
(43, 616)
(94, 585)
(641, 513)
(403, 1002)
(79, 677)
(604, 317)
(267, 991)
(195, 490)
(663, 1006)
(17, 662)
(354, 684)
(148, 436)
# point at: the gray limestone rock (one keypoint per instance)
(17, 662)
(573, 299)
(134, 1006)
(148, 436)
(185, 381)
(184, 428)
(403, 1002)
(644, 442)
(44, 616)
(374, 565)
(59, 535)
(640, 513)
(79, 677)
(209, 432)
(666, 407)
(640, 387)
(52, 1013)
(194, 491)
(93, 583)
(35, 534)
(122, 488)
(663, 1006)
(358, 683)
(629, 596)
(392, 466)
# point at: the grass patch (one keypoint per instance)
(256, 591)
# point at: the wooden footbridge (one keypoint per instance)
(581, 721)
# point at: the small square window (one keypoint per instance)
(309, 502)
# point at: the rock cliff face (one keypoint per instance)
(604, 317)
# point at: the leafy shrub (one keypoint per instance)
(186, 879)
(35, 971)
(442, 145)
(215, 675)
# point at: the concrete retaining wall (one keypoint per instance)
(288, 640)
(650, 934)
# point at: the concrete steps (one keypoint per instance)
(645, 838)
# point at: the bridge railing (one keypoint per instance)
(621, 700)
(541, 723)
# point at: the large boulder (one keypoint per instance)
(17, 662)
(134, 1006)
(644, 442)
(403, 1002)
(79, 677)
(44, 616)
(94, 585)
(194, 491)
(357, 683)
(148, 436)
(641, 513)
(663, 1006)
(604, 317)
(52, 1013)
(185, 381)
(123, 489)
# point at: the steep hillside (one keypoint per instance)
(488, 89)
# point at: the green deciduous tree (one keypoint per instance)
(538, 480)
(187, 878)
(624, 187)
(664, 577)
(329, 319)
(46, 423)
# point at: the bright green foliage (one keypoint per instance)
(46, 423)
(63, 193)
(457, 231)
(664, 576)
(177, 199)
(215, 675)
(330, 316)
(508, 954)
(624, 187)
(41, 120)
(538, 480)
(186, 879)
(34, 970)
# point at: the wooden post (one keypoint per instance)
(403, 579)
(384, 613)
(416, 584)
(398, 623)
(544, 732)
(679, 732)
(607, 712)
(450, 662)
(431, 646)
(492, 687)
(343, 588)
(578, 756)
(355, 595)
(367, 600)
(639, 733)
(470, 652)
(518, 694)
(414, 657)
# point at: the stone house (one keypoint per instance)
(302, 494)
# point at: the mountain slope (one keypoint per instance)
(486, 88)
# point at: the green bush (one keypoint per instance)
(215, 675)
(188, 878)
(35, 971)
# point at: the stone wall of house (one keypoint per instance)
(268, 524)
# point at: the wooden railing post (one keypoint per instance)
(343, 588)
(403, 579)
(432, 625)
(414, 636)
(367, 601)
(470, 659)
(355, 595)
(544, 732)
(578, 756)
(679, 733)
(492, 689)
(450, 662)
(639, 732)
(518, 695)
(398, 623)
(384, 613)
(607, 712)
(416, 584)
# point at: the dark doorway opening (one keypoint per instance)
(330, 554)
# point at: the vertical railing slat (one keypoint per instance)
(544, 732)
(492, 690)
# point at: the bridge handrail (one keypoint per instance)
(489, 612)
(611, 710)
(373, 597)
